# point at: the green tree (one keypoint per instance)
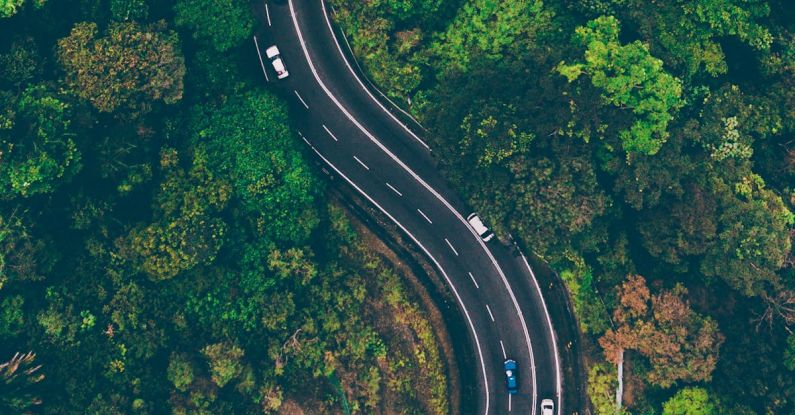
(180, 371)
(37, 147)
(123, 10)
(602, 385)
(12, 318)
(630, 77)
(753, 235)
(131, 67)
(187, 229)
(9, 8)
(225, 362)
(23, 257)
(691, 401)
(221, 23)
(20, 64)
(492, 29)
(248, 140)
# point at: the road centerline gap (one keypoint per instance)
(361, 162)
(425, 216)
(301, 99)
(329, 132)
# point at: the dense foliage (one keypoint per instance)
(617, 138)
(165, 247)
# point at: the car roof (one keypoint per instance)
(272, 51)
(510, 364)
(278, 65)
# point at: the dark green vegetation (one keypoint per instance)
(164, 245)
(620, 138)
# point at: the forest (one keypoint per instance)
(165, 244)
(645, 150)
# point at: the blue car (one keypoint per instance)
(511, 373)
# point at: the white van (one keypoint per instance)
(479, 227)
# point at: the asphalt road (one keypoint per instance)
(360, 142)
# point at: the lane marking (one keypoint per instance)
(425, 216)
(329, 132)
(393, 189)
(339, 48)
(362, 163)
(433, 259)
(502, 346)
(490, 315)
(267, 13)
(509, 402)
(262, 64)
(302, 100)
(451, 246)
(473, 280)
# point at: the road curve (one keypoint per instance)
(363, 144)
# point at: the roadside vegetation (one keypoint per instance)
(645, 150)
(165, 247)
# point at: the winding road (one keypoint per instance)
(361, 142)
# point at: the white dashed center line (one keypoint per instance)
(502, 346)
(301, 99)
(473, 280)
(489, 310)
(425, 216)
(393, 189)
(268, 14)
(329, 132)
(360, 162)
(509, 402)
(451, 247)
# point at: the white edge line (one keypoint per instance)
(435, 262)
(451, 246)
(473, 280)
(502, 346)
(549, 323)
(267, 13)
(299, 97)
(262, 64)
(490, 315)
(425, 216)
(361, 162)
(393, 189)
(329, 132)
(331, 29)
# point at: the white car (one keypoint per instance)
(479, 227)
(547, 406)
(276, 60)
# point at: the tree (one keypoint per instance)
(753, 235)
(187, 229)
(23, 257)
(20, 64)
(37, 147)
(131, 67)
(630, 77)
(248, 140)
(221, 23)
(224, 360)
(492, 29)
(9, 8)
(680, 344)
(18, 378)
(602, 386)
(180, 371)
(123, 10)
(691, 401)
